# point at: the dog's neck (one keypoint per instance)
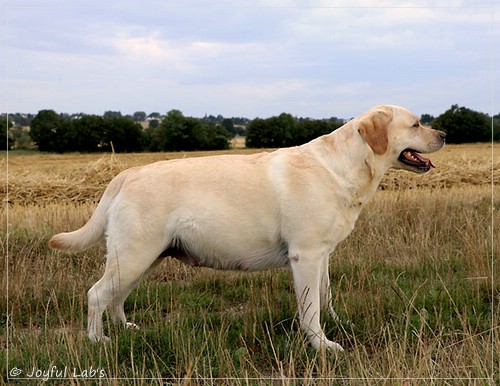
(358, 167)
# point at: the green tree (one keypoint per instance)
(87, 134)
(228, 125)
(112, 114)
(259, 134)
(19, 119)
(19, 138)
(211, 136)
(219, 138)
(175, 132)
(93, 133)
(286, 130)
(139, 116)
(153, 137)
(5, 125)
(50, 131)
(286, 127)
(308, 129)
(179, 133)
(153, 123)
(271, 132)
(463, 125)
(426, 119)
(125, 135)
(155, 115)
(496, 127)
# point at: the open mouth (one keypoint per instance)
(413, 159)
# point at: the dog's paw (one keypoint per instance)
(334, 347)
(131, 326)
(325, 344)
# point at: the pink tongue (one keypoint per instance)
(427, 161)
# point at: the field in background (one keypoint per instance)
(71, 178)
(413, 286)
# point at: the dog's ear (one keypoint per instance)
(374, 129)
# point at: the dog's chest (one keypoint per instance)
(343, 223)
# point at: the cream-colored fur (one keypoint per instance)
(289, 208)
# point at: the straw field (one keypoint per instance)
(81, 178)
(416, 286)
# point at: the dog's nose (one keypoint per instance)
(442, 134)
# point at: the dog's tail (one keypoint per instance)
(94, 230)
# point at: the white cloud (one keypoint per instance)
(316, 58)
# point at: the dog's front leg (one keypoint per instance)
(307, 275)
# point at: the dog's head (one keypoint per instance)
(397, 135)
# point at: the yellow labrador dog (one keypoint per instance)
(288, 208)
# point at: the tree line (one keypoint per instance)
(285, 130)
(53, 132)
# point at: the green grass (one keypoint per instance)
(412, 285)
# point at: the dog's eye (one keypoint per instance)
(417, 124)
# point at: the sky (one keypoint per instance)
(316, 58)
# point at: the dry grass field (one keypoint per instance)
(416, 285)
(42, 178)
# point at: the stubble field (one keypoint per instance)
(416, 286)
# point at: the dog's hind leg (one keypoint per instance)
(123, 271)
(98, 299)
(116, 308)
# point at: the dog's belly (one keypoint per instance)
(274, 256)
